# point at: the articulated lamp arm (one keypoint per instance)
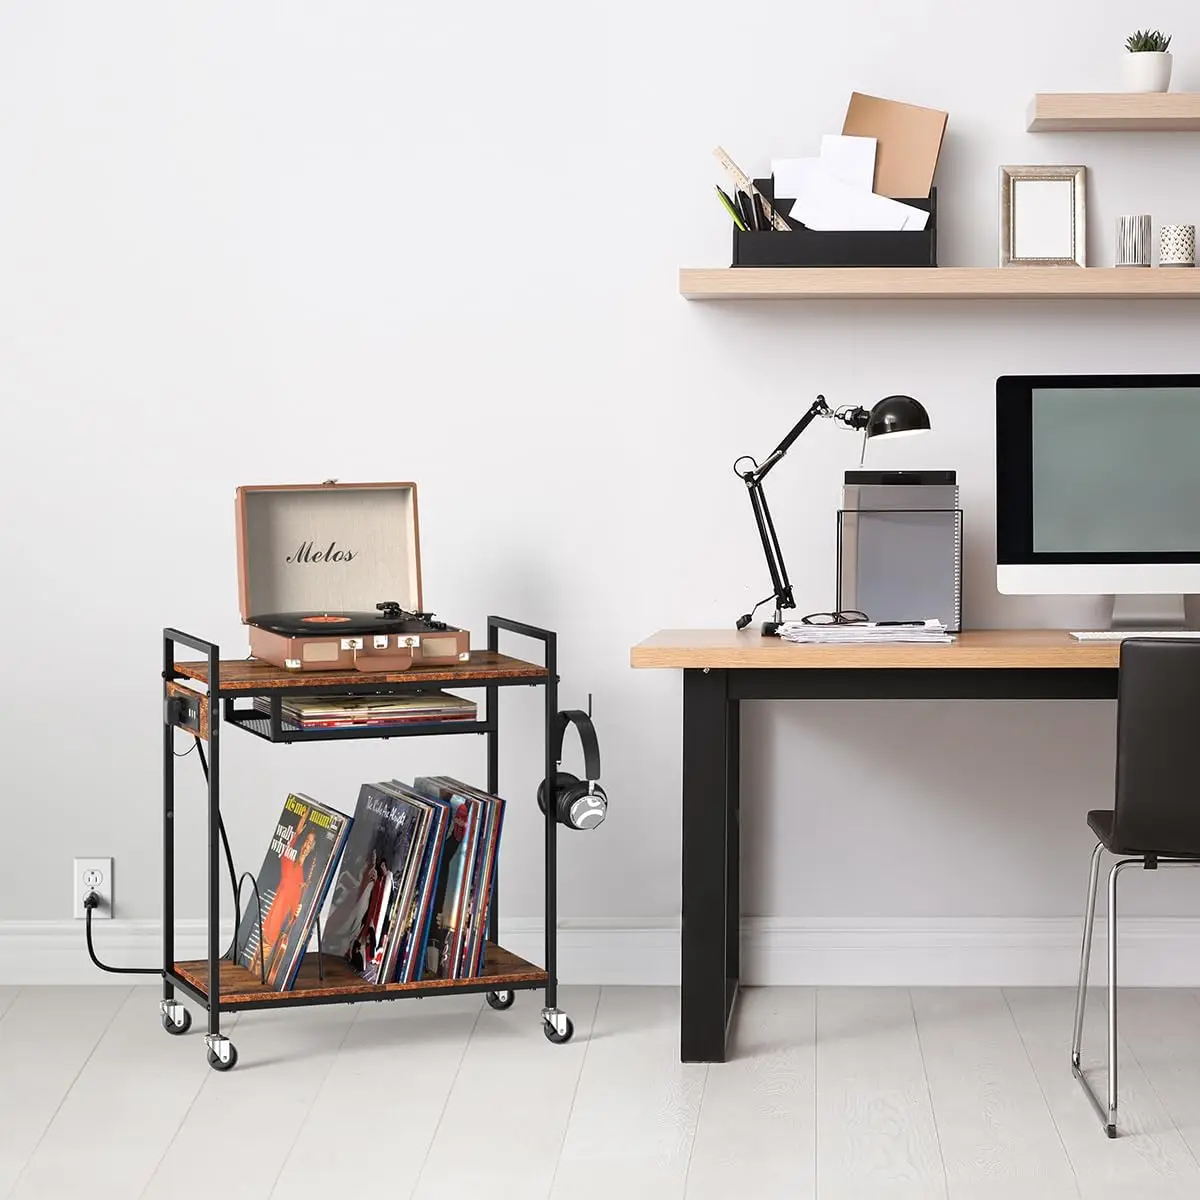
(752, 476)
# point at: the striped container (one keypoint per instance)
(1133, 241)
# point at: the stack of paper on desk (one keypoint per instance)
(866, 633)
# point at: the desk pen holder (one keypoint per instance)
(804, 247)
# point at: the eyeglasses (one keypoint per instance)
(849, 616)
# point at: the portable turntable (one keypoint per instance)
(329, 578)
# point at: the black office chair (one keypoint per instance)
(1155, 821)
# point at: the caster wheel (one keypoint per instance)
(552, 1034)
(176, 1030)
(214, 1060)
(501, 1000)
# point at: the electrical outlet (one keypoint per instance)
(94, 875)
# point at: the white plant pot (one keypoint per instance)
(1147, 71)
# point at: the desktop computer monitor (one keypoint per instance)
(1098, 490)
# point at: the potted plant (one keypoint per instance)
(1147, 66)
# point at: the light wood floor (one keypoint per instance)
(834, 1093)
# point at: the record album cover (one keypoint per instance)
(292, 882)
(450, 883)
(371, 883)
(483, 856)
(411, 964)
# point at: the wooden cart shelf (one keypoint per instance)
(252, 676)
(240, 988)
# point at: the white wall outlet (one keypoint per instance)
(94, 875)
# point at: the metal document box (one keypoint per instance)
(900, 546)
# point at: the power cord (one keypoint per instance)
(92, 901)
(234, 882)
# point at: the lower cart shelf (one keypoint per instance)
(240, 988)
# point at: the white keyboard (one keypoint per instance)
(1119, 635)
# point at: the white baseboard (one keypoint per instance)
(965, 951)
(905, 952)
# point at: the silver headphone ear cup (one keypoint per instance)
(586, 811)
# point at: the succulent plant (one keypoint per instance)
(1147, 41)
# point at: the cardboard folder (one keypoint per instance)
(909, 138)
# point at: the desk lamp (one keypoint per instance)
(892, 415)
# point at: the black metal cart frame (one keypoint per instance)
(223, 709)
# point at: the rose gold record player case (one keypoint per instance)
(317, 551)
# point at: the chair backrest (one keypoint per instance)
(1158, 746)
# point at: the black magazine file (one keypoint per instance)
(804, 247)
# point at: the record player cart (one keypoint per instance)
(216, 983)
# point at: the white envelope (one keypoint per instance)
(829, 203)
(850, 159)
(791, 175)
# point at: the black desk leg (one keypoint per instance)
(711, 909)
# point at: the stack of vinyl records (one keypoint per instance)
(410, 900)
(343, 712)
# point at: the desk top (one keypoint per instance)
(975, 648)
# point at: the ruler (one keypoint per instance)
(744, 182)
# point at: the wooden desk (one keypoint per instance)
(722, 667)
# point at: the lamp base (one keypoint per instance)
(771, 628)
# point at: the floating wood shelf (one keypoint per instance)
(1061, 112)
(932, 283)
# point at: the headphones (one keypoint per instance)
(578, 803)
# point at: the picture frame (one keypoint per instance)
(1043, 214)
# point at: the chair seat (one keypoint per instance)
(1100, 821)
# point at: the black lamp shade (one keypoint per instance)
(897, 414)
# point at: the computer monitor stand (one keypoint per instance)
(1148, 612)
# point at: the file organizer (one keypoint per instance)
(900, 546)
(804, 247)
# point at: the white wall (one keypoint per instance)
(250, 242)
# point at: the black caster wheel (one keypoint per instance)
(552, 1034)
(215, 1061)
(176, 1030)
(501, 1000)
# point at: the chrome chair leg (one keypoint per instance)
(1107, 1115)
(1085, 956)
(1110, 1126)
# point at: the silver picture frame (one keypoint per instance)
(1043, 213)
